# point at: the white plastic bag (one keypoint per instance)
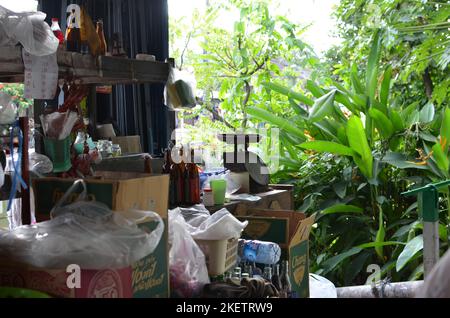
(320, 287)
(179, 92)
(84, 233)
(30, 29)
(188, 271)
(40, 164)
(222, 225)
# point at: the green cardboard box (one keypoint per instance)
(290, 230)
(122, 191)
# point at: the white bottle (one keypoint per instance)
(208, 198)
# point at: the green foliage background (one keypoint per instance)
(358, 127)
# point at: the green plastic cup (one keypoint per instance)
(59, 153)
(219, 188)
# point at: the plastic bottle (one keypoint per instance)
(259, 251)
(208, 198)
(57, 30)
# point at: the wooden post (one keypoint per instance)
(25, 193)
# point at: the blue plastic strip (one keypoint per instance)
(16, 165)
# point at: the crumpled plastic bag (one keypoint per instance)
(188, 271)
(320, 287)
(195, 215)
(221, 225)
(40, 164)
(58, 125)
(28, 28)
(88, 234)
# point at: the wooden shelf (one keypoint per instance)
(103, 70)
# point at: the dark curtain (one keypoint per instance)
(143, 26)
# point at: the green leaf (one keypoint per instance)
(381, 233)
(322, 107)
(440, 158)
(404, 229)
(299, 110)
(327, 129)
(332, 262)
(344, 100)
(288, 92)
(410, 250)
(342, 208)
(328, 146)
(383, 124)
(428, 137)
(314, 89)
(342, 136)
(401, 161)
(426, 114)
(357, 86)
(281, 123)
(385, 86)
(380, 244)
(445, 130)
(340, 188)
(372, 67)
(358, 142)
(397, 121)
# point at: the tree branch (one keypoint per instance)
(428, 83)
(186, 44)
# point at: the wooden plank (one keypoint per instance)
(104, 70)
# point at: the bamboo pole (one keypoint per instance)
(389, 290)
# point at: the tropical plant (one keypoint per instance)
(359, 122)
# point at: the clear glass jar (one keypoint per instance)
(116, 150)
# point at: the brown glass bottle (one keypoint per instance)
(101, 36)
(73, 35)
(194, 181)
(167, 161)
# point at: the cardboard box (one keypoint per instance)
(120, 192)
(147, 278)
(290, 230)
(128, 144)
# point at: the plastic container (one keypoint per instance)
(59, 153)
(220, 255)
(208, 198)
(219, 188)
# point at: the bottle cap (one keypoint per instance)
(55, 20)
(207, 190)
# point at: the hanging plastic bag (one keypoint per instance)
(30, 29)
(179, 92)
(188, 271)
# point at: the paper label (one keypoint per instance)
(41, 75)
